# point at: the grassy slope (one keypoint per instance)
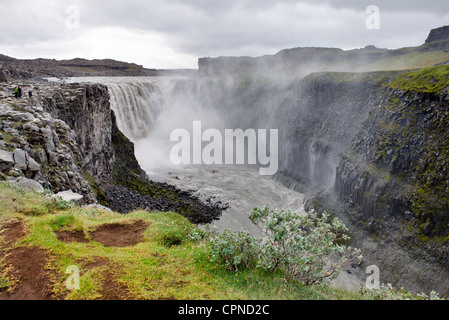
(149, 270)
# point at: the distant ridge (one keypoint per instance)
(12, 68)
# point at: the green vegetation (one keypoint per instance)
(409, 140)
(409, 126)
(301, 246)
(171, 261)
(408, 59)
(430, 80)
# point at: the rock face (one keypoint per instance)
(42, 148)
(85, 109)
(393, 180)
(438, 34)
(70, 196)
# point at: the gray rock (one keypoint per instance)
(41, 156)
(5, 110)
(25, 163)
(28, 184)
(23, 117)
(46, 133)
(98, 207)
(32, 164)
(6, 160)
(49, 146)
(20, 159)
(70, 196)
(30, 127)
(53, 158)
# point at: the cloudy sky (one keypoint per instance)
(175, 33)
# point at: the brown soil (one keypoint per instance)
(119, 235)
(72, 236)
(26, 267)
(112, 290)
(12, 231)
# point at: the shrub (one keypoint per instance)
(235, 250)
(389, 293)
(61, 204)
(305, 247)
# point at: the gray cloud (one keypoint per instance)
(197, 28)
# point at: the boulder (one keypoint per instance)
(32, 164)
(6, 160)
(20, 159)
(23, 162)
(5, 110)
(97, 206)
(27, 184)
(70, 196)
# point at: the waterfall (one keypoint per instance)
(137, 106)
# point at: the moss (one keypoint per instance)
(410, 58)
(430, 80)
(96, 189)
(411, 133)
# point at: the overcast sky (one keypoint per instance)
(175, 33)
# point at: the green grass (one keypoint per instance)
(165, 265)
(431, 80)
(408, 59)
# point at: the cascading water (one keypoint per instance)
(141, 102)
